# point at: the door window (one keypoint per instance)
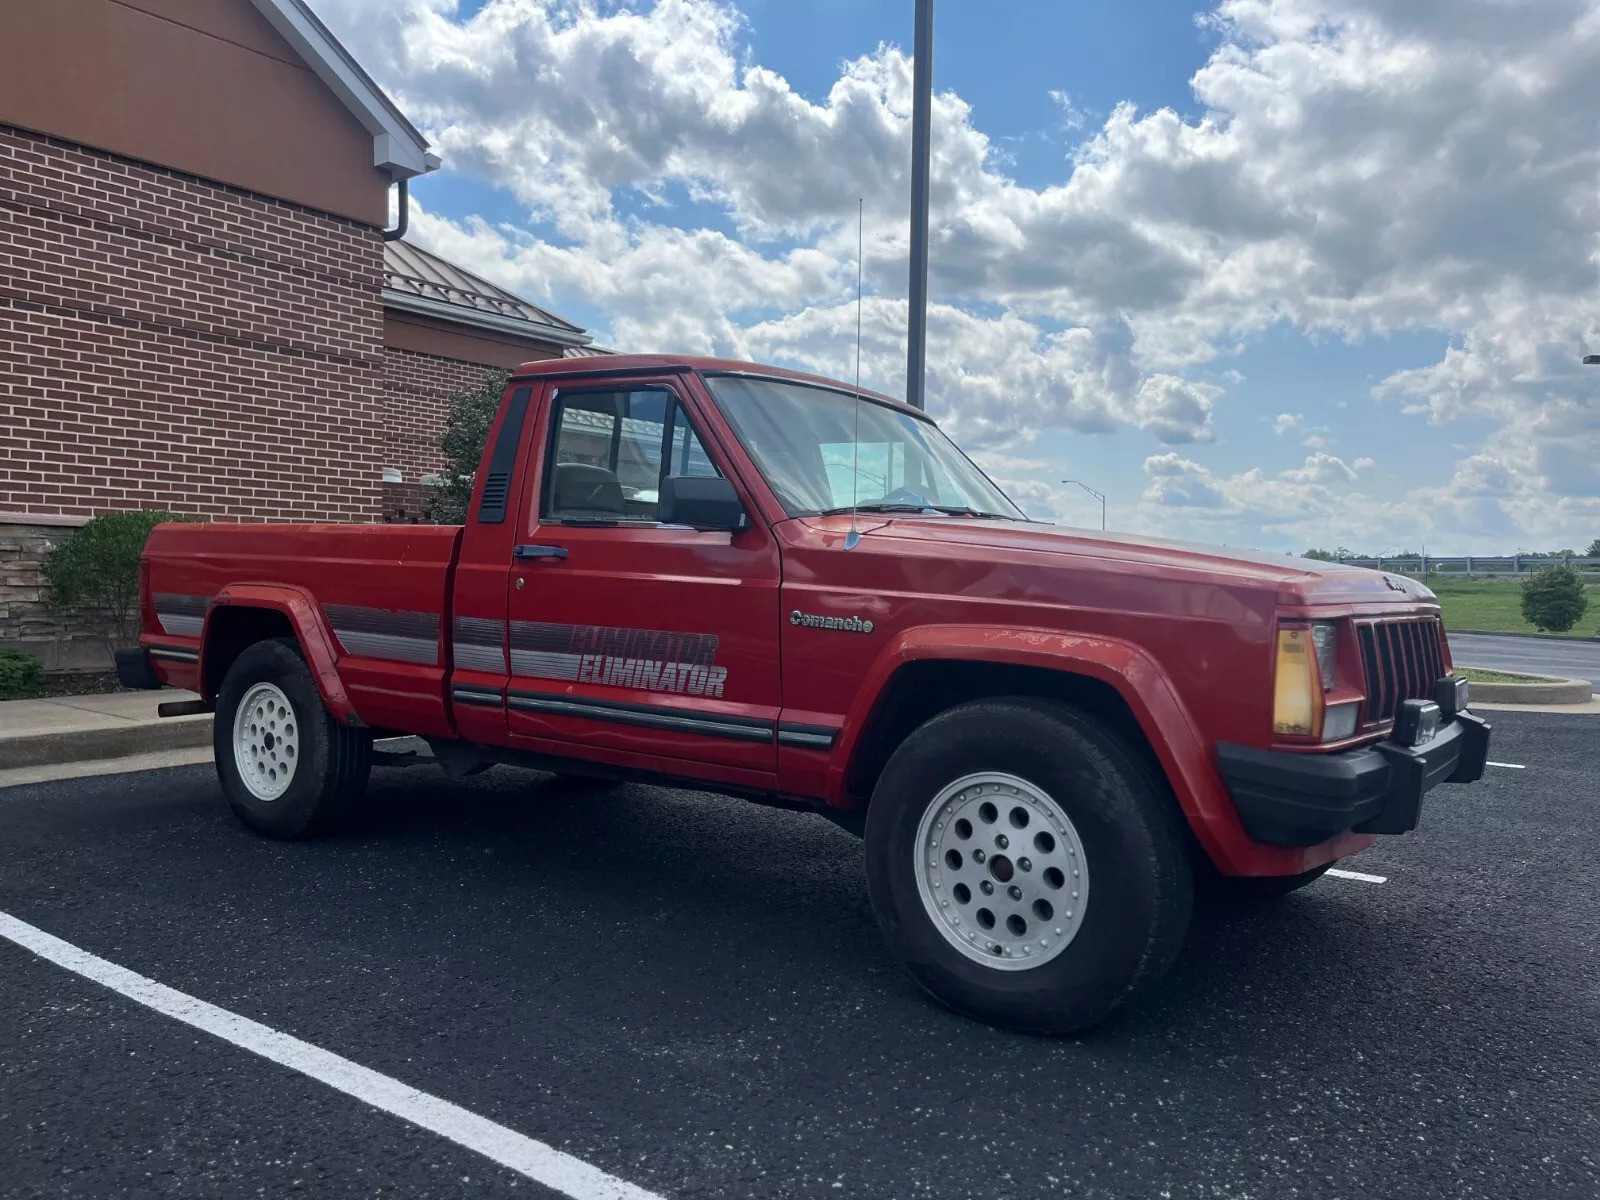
(611, 451)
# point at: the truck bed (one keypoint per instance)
(381, 590)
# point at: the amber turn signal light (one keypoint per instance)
(1297, 700)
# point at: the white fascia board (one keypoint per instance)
(397, 147)
(458, 315)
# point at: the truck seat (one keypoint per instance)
(584, 491)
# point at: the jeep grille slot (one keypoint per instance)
(1402, 660)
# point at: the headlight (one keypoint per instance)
(1325, 635)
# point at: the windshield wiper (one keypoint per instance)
(956, 510)
(876, 508)
(949, 510)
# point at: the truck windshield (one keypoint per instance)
(804, 441)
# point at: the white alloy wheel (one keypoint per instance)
(1001, 871)
(266, 741)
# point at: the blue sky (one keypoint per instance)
(1275, 272)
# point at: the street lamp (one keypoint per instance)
(1591, 360)
(921, 156)
(1100, 496)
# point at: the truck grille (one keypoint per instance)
(1402, 659)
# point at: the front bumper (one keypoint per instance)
(1288, 799)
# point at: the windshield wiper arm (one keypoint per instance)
(959, 510)
(949, 510)
(876, 508)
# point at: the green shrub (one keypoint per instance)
(20, 674)
(1553, 599)
(94, 572)
(466, 431)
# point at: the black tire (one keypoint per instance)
(331, 768)
(1141, 893)
(1250, 891)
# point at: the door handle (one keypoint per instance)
(554, 552)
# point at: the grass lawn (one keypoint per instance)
(1495, 605)
(1480, 675)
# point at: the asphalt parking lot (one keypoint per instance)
(690, 994)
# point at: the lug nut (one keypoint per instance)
(978, 856)
(1025, 864)
(1002, 841)
(1014, 892)
(986, 888)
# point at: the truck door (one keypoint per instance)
(633, 642)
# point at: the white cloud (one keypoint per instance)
(1362, 167)
(1322, 468)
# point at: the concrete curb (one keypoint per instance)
(1551, 689)
(134, 737)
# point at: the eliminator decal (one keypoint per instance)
(650, 659)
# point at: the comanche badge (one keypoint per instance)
(842, 624)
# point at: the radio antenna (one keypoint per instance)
(854, 535)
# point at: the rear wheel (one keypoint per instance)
(287, 768)
(1026, 865)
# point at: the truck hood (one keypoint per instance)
(1296, 580)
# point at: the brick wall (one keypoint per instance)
(166, 341)
(416, 392)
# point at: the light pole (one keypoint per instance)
(1591, 360)
(921, 164)
(1100, 496)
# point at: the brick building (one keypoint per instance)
(199, 309)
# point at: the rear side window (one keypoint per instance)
(610, 452)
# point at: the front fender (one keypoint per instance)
(1185, 756)
(305, 617)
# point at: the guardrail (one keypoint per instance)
(1474, 565)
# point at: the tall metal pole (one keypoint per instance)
(921, 164)
(1097, 494)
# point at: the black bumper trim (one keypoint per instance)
(134, 670)
(1288, 799)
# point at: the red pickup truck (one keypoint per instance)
(746, 580)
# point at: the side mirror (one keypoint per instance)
(702, 501)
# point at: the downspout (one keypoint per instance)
(399, 231)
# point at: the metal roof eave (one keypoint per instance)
(397, 147)
(458, 315)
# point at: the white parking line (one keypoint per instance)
(1359, 876)
(545, 1164)
(1507, 766)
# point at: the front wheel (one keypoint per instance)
(287, 768)
(1027, 865)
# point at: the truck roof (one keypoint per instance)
(654, 364)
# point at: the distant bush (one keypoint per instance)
(1553, 600)
(466, 432)
(20, 674)
(94, 572)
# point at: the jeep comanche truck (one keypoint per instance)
(745, 580)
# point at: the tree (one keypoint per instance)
(1594, 549)
(1553, 600)
(94, 572)
(466, 431)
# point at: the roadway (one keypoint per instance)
(690, 994)
(1572, 658)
